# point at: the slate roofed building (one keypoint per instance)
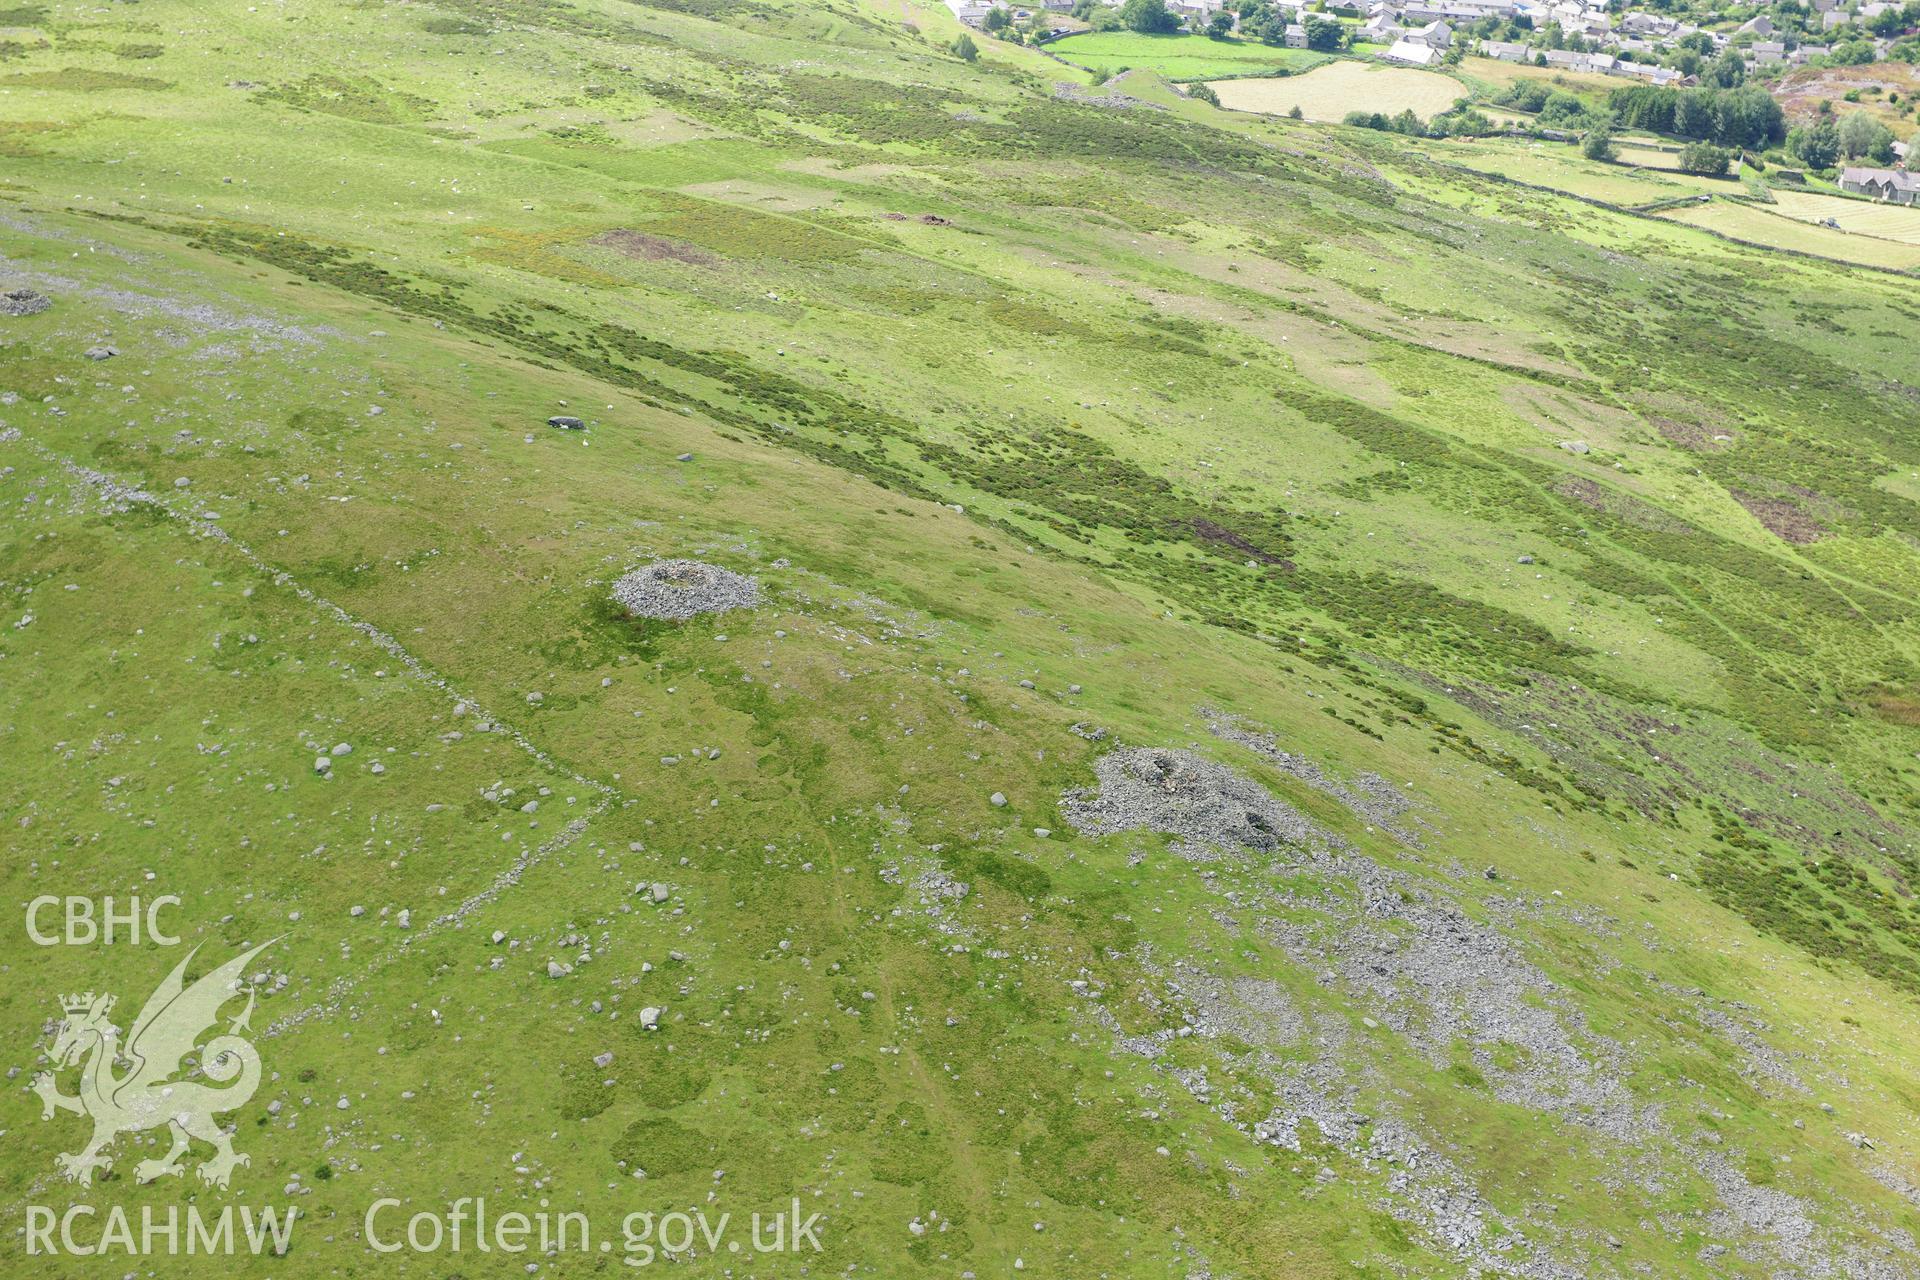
(1895, 185)
(1381, 29)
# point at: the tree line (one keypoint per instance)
(1745, 116)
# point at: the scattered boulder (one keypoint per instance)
(675, 590)
(23, 302)
(566, 423)
(1575, 446)
(101, 353)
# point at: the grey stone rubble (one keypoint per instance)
(1738, 1024)
(23, 302)
(1438, 975)
(1427, 1190)
(1430, 971)
(1206, 805)
(676, 590)
(1367, 796)
(1785, 1222)
(1113, 98)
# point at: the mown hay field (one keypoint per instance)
(1328, 93)
(1783, 231)
(1887, 221)
(1647, 157)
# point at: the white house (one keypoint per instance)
(1644, 71)
(1568, 60)
(1506, 51)
(1642, 23)
(1435, 35)
(1414, 55)
(971, 12)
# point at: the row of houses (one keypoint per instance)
(1419, 32)
(974, 12)
(1640, 32)
(1596, 63)
(1455, 11)
(1423, 46)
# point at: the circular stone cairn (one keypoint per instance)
(1184, 795)
(675, 590)
(23, 302)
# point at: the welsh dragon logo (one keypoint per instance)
(145, 1095)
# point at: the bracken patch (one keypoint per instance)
(638, 244)
(1781, 518)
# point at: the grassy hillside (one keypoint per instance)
(1519, 593)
